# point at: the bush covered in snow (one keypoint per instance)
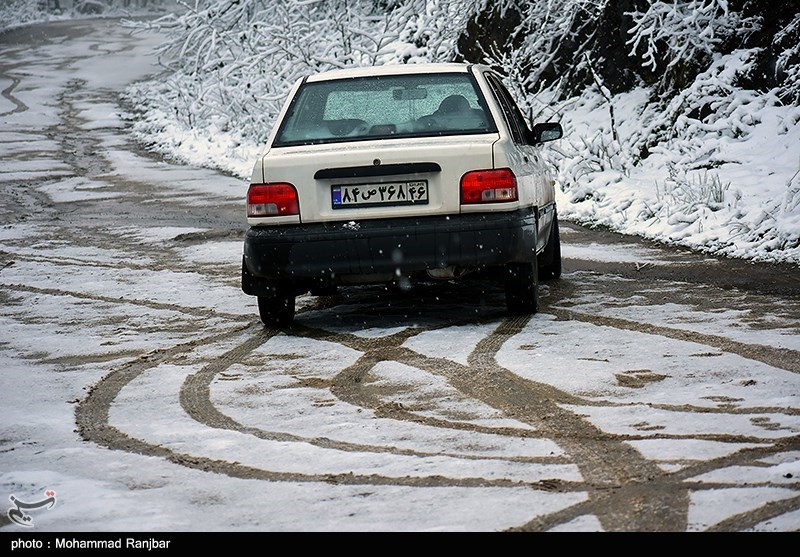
(681, 115)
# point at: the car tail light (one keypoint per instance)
(488, 186)
(272, 200)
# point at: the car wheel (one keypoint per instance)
(550, 260)
(522, 288)
(277, 310)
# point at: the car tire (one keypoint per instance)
(522, 288)
(550, 260)
(277, 310)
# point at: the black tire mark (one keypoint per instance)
(590, 444)
(630, 491)
(546, 522)
(77, 262)
(91, 414)
(749, 519)
(19, 106)
(93, 425)
(223, 270)
(627, 493)
(781, 358)
(389, 348)
(195, 398)
(347, 384)
(786, 411)
(743, 457)
(629, 482)
(194, 311)
(92, 417)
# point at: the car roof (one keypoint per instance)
(390, 69)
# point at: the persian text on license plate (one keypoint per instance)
(370, 195)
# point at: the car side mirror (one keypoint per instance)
(544, 132)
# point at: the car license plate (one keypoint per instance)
(347, 196)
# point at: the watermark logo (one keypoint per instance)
(18, 514)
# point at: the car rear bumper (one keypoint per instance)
(400, 246)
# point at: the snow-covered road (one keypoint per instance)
(656, 390)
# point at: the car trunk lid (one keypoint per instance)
(379, 179)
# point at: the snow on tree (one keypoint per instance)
(234, 61)
(678, 39)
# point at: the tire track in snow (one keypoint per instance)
(781, 358)
(630, 481)
(744, 457)
(644, 496)
(607, 481)
(189, 310)
(92, 417)
(620, 484)
(749, 519)
(195, 398)
(7, 94)
(347, 385)
(626, 490)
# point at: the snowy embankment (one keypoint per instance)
(727, 185)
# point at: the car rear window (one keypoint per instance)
(380, 107)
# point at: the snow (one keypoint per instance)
(72, 316)
(707, 505)
(737, 196)
(748, 323)
(214, 253)
(436, 343)
(675, 454)
(585, 523)
(673, 371)
(77, 189)
(623, 253)
(156, 393)
(643, 419)
(197, 186)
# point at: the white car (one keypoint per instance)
(392, 173)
